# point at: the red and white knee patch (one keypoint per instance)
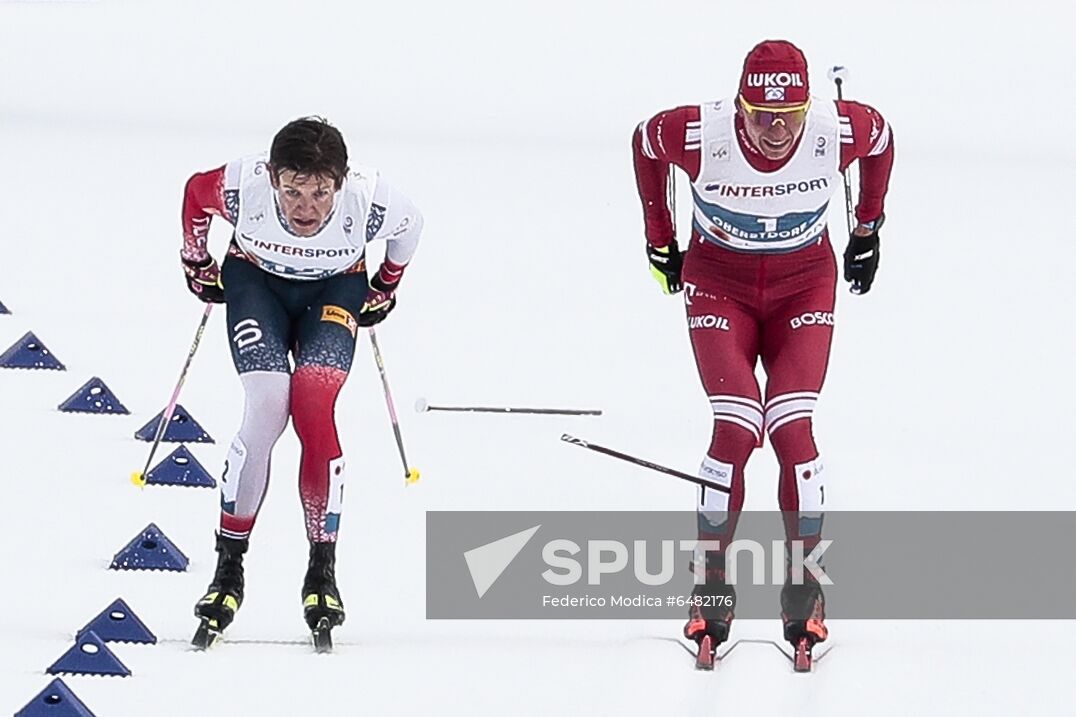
(788, 407)
(740, 411)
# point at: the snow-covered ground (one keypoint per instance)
(509, 125)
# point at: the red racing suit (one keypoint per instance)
(752, 294)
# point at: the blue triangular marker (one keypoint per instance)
(150, 550)
(118, 623)
(89, 656)
(93, 397)
(180, 468)
(3, 309)
(56, 700)
(181, 429)
(29, 352)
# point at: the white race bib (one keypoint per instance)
(743, 209)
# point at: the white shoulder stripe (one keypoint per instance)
(648, 150)
(882, 143)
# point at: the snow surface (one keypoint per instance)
(509, 123)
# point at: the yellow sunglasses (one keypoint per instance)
(766, 116)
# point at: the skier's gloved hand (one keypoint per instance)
(666, 263)
(203, 279)
(862, 254)
(380, 300)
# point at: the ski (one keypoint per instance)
(706, 655)
(803, 657)
(803, 660)
(322, 636)
(206, 635)
(705, 652)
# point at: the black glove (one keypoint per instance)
(861, 257)
(380, 300)
(666, 263)
(203, 279)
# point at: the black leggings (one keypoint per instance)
(268, 316)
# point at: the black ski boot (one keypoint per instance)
(710, 613)
(803, 610)
(225, 593)
(322, 606)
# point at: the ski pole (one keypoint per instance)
(411, 475)
(421, 406)
(838, 74)
(139, 478)
(644, 463)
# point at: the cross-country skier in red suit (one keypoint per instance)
(760, 281)
(295, 285)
